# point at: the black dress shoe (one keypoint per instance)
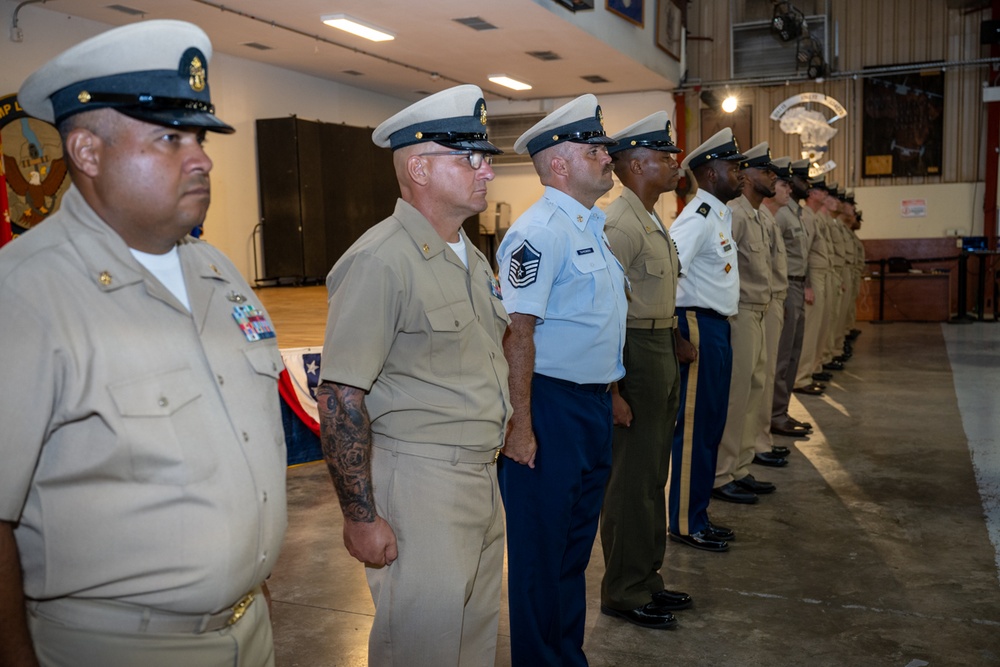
(702, 540)
(802, 424)
(733, 493)
(814, 389)
(721, 532)
(646, 616)
(822, 377)
(854, 333)
(672, 600)
(755, 486)
(833, 366)
(789, 429)
(783, 452)
(770, 460)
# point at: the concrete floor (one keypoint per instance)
(874, 551)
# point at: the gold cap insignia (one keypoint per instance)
(83, 97)
(600, 117)
(482, 114)
(419, 135)
(197, 75)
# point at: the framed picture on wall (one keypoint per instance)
(903, 124)
(630, 10)
(670, 21)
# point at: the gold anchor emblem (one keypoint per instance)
(197, 75)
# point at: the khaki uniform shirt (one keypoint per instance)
(819, 253)
(649, 257)
(859, 267)
(421, 333)
(143, 451)
(754, 253)
(850, 250)
(834, 241)
(779, 258)
(794, 235)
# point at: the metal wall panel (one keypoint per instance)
(874, 33)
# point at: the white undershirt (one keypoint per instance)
(460, 250)
(656, 220)
(167, 269)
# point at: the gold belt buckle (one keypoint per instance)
(496, 455)
(240, 608)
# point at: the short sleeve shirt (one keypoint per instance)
(421, 333)
(710, 274)
(649, 257)
(556, 264)
(754, 252)
(143, 451)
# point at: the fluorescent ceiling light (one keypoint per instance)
(504, 80)
(355, 27)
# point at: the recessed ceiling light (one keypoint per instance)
(356, 27)
(504, 80)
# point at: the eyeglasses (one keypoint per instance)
(475, 158)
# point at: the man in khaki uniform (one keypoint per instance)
(798, 246)
(142, 489)
(645, 401)
(413, 398)
(835, 279)
(733, 481)
(806, 380)
(766, 453)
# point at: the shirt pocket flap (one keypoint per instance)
(453, 317)
(157, 396)
(265, 359)
(657, 267)
(589, 262)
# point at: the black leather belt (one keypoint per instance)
(797, 279)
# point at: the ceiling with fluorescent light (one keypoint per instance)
(432, 50)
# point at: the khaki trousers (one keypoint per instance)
(774, 320)
(746, 390)
(813, 329)
(439, 602)
(835, 302)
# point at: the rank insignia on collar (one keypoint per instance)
(704, 210)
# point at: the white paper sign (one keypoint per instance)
(913, 208)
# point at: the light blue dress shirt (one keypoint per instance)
(555, 264)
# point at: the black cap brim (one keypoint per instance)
(480, 145)
(178, 118)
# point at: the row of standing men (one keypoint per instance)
(617, 338)
(143, 502)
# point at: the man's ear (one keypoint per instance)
(559, 165)
(416, 169)
(83, 149)
(635, 166)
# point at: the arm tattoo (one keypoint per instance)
(346, 438)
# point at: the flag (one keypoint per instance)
(297, 383)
